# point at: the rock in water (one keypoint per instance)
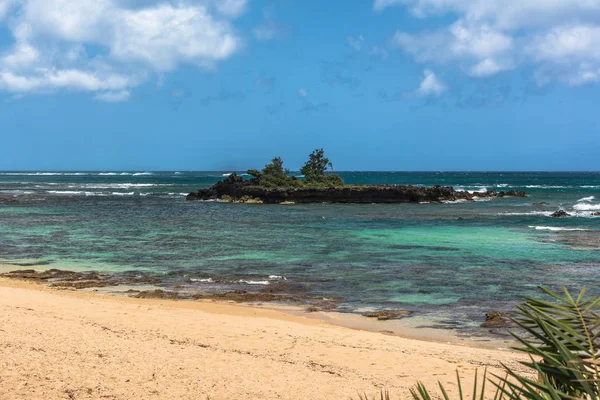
(515, 193)
(384, 315)
(560, 214)
(235, 189)
(498, 320)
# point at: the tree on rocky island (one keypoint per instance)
(275, 168)
(273, 174)
(315, 169)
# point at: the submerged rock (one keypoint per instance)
(30, 274)
(498, 320)
(384, 315)
(242, 296)
(80, 280)
(560, 214)
(156, 294)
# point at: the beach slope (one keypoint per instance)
(73, 345)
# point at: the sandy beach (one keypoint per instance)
(63, 344)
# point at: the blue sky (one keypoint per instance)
(221, 85)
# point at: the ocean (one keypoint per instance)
(449, 262)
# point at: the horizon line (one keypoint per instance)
(244, 171)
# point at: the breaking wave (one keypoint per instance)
(556, 228)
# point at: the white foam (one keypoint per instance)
(482, 189)
(586, 207)
(123, 194)
(454, 201)
(588, 199)
(142, 173)
(227, 174)
(16, 192)
(207, 280)
(479, 189)
(107, 173)
(75, 192)
(590, 187)
(502, 185)
(116, 185)
(279, 277)
(546, 187)
(254, 282)
(555, 228)
(545, 213)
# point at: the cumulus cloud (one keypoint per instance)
(302, 92)
(559, 38)
(431, 85)
(110, 46)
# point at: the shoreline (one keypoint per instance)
(415, 326)
(58, 343)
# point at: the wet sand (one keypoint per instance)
(66, 344)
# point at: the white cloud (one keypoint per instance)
(23, 55)
(5, 6)
(476, 47)
(165, 37)
(73, 79)
(559, 38)
(431, 85)
(302, 92)
(486, 67)
(566, 43)
(231, 8)
(128, 44)
(113, 97)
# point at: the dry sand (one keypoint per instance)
(60, 344)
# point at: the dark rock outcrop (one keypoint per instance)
(235, 190)
(515, 193)
(596, 214)
(498, 320)
(560, 214)
(6, 200)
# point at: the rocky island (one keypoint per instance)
(274, 185)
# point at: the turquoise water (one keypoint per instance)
(450, 261)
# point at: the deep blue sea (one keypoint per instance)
(452, 261)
